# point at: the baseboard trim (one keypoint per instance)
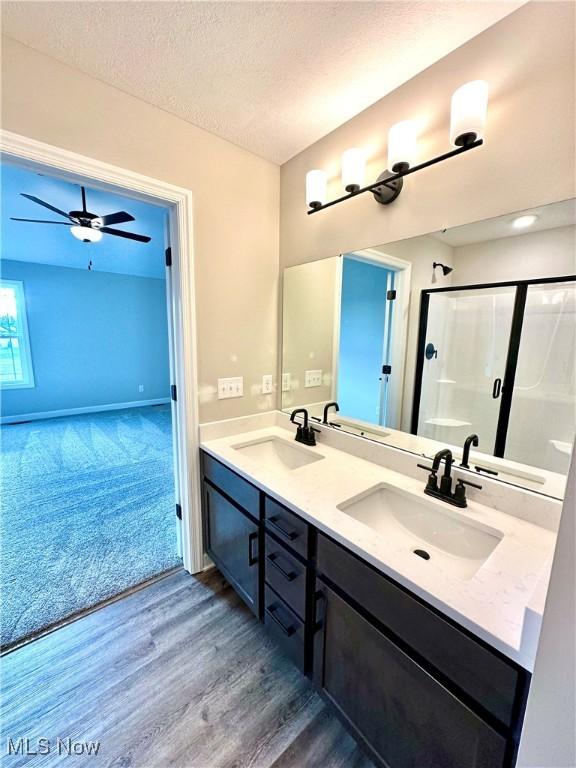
(79, 411)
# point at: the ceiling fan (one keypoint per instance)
(85, 226)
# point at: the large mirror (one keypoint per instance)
(426, 342)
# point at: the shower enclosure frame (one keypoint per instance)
(507, 388)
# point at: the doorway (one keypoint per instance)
(154, 418)
(371, 320)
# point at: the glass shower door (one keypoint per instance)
(465, 353)
(542, 417)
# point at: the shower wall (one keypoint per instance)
(470, 330)
(543, 415)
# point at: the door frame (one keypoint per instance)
(75, 167)
(399, 339)
(520, 294)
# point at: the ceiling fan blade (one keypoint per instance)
(116, 218)
(46, 205)
(44, 221)
(128, 235)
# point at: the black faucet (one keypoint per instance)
(304, 433)
(334, 405)
(470, 440)
(444, 492)
(446, 481)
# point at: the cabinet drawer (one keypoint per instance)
(485, 676)
(405, 717)
(284, 626)
(244, 494)
(287, 526)
(286, 575)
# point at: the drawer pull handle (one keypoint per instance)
(290, 535)
(251, 539)
(273, 560)
(288, 631)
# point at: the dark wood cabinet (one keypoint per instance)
(232, 541)
(415, 688)
(286, 526)
(400, 713)
(285, 626)
(286, 575)
(493, 682)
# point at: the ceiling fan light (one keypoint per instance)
(86, 234)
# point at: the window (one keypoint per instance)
(15, 359)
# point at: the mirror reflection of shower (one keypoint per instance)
(463, 390)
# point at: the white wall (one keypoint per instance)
(527, 160)
(236, 202)
(548, 253)
(421, 252)
(309, 293)
(548, 737)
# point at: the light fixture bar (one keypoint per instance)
(400, 175)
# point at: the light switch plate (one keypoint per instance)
(233, 387)
(285, 382)
(313, 379)
(267, 384)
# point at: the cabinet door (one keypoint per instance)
(403, 716)
(231, 540)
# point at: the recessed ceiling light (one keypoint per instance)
(86, 234)
(524, 221)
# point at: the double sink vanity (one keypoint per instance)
(415, 619)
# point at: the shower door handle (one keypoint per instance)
(497, 388)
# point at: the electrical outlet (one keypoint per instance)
(140, 387)
(233, 387)
(285, 382)
(267, 384)
(313, 378)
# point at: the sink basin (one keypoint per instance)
(408, 522)
(278, 453)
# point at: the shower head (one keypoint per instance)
(445, 270)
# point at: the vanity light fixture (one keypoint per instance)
(525, 221)
(353, 167)
(402, 144)
(467, 122)
(316, 189)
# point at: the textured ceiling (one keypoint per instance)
(272, 77)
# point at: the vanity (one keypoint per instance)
(329, 551)
(396, 538)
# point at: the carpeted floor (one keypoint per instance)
(87, 511)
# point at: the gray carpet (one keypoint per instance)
(87, 511)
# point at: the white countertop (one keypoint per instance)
(492, 603)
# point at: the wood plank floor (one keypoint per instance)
(177, 674)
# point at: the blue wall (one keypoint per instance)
(95, 337)
(363, 307)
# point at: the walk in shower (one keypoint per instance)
(498, 360)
